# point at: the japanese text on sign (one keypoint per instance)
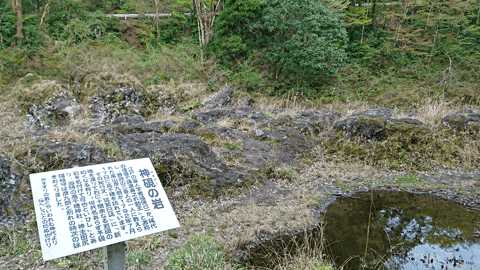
(89, 207)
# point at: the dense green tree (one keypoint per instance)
(304, 37)
(296, 39)
(236, 33)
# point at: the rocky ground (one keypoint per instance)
(232, 169)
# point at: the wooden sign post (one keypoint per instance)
(103, 205)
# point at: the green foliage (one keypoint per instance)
(173, 29)
(14, 242)
(69, 21)
(11, 60)
(408, 180)
(246, 76)
(192, 106)
(236, 31)
(304, 37)
(409, 149)
(139, 257)
(200, 252)
(232, 146)
(32, 35)
(7, 24)
(296, 41)
(169, 30)
(106, 6)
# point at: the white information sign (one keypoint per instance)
(84, 208)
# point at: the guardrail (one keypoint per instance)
(126, 16)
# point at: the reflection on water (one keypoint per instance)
(406, 231)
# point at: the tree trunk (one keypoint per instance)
(156, 18)
(374, 7)
(478, 14)
(17, 6)
(205, 18)
(45, 11)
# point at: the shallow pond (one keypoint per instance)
(389, 230)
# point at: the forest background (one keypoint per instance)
(394, 54)
(387, 53)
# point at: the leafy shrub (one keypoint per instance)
(69, 21)
(31, 32)
(304, 37)
(236, 30)
(11, 60)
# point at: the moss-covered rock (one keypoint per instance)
(463, 120)
(181, 159)
(399, 143)
(363, 127)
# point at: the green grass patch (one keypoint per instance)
(192, 106)
(342, 184)
(232, 146)
(409, 180)
(138, 258)
(200, 252)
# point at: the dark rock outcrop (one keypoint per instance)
(7, 182)
(188, 126)
(218, 114)
(159, 127)
(376, 125)
(321, 118)
(363, 127)
(12, 208)
(467, 119)
(126, 120)
(210, 131)
(58, 110)
(124, 100)
(70, 155)
(219, 100)
(376, 113)
(179, 157)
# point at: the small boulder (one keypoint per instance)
(377, 125)
(376, 113)
(189, 126)
(12, 208)
(218, 114)
(467, 119)
(219, 100)
(126, 120)
(363, 127)
(160, 127)
(7, 182)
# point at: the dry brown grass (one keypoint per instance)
(234, 220)
(183, 94)
(431, 111)
(309, 253)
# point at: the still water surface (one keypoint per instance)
(390, 230)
